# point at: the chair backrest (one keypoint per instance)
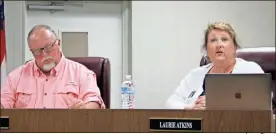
(101, 67)
(264, 56)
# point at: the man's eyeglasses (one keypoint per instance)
(47, 48)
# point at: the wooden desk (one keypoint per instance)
(132, 120)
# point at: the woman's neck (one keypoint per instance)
(226, 67)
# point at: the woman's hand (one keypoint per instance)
(200, 103)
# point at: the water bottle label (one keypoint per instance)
(131, 90)
(124, 90)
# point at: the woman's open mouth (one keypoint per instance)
(219, 52)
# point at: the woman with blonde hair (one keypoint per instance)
(220, 43)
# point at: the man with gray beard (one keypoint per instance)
(50, 80)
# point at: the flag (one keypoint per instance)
(3, 54)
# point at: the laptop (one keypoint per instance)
(238, 91)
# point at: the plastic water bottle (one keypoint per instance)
(127, 93)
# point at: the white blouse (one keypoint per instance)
(193, 82)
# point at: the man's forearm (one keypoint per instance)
(91, 105)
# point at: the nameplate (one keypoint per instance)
(4, 123)
(176, 124)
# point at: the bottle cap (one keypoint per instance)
(128, 76)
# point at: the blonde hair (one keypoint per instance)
(220, 26)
